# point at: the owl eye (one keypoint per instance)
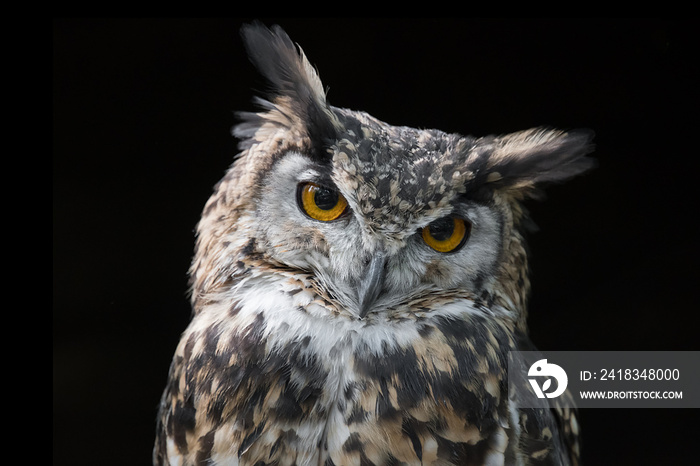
(321, 203)
(447, 234)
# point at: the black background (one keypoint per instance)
(141, 133)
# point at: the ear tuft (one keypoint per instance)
(526, 160)
(297, 99)
(282, 63)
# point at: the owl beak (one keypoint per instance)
(371, 284)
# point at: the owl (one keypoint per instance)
(356, 290)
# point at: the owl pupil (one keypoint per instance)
(325, 199)
(442, 229)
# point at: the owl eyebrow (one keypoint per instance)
(320, 177)
(464, 206)
(308, 175)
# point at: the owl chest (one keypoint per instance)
(354, 391)
(323, 398)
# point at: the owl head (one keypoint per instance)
(377, 217)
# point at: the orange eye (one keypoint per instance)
(321, 203)
(447, 234)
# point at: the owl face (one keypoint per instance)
(378, 215)
(377, 233)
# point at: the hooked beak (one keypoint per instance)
(371, 284)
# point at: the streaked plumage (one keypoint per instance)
(352, 341)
